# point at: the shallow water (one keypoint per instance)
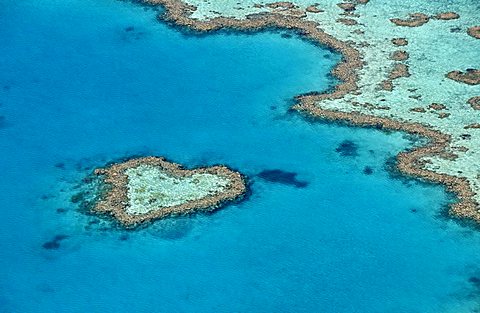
(86, 82)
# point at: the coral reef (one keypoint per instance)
(149, 188)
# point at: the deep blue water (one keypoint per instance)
(86, 82)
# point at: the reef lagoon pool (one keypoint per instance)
(328, 226)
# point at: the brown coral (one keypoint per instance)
(415, 20)
(281, 4)
(474, 102)
(437, 106)
(400, 41)
(399, 55)
(399, 70)
(347, 21)
(474, 31)
(313, 9)
(470, 76)
(446, 16)
(443, 115)
(347, 6)
(418, 110)
(475, 125)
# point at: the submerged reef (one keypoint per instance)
(144, 189)
(347, 148)
(373, 73)
(54, 244)
(282, 177)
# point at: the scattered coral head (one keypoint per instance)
(281, 4)
(415, 20)
(399, 55)
(313, 9)
(474, 102)
(437, 106)
(400, 41)
(399, 70)
(347, 6)
(470, 76)
(475, 125)
(418, 110)
(347, 21)
(446, 16)
(474, 31)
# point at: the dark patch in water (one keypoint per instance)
(273, 107)
(61, 210)
(282, 177)
(78, 197)
(286, 35)
(475, 281)
(46, 197)
(123, 237)
(60, 165)
(54, 244)
(130, 34)
(414, 210)
(6, 87)
(368, 170)
(474, 290)
(347, 148)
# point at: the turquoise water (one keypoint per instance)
(86, 82)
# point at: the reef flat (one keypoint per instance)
(427, 87)
(145, 189)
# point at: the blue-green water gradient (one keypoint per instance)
(86, 82)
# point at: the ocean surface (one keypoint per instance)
(86, 82)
